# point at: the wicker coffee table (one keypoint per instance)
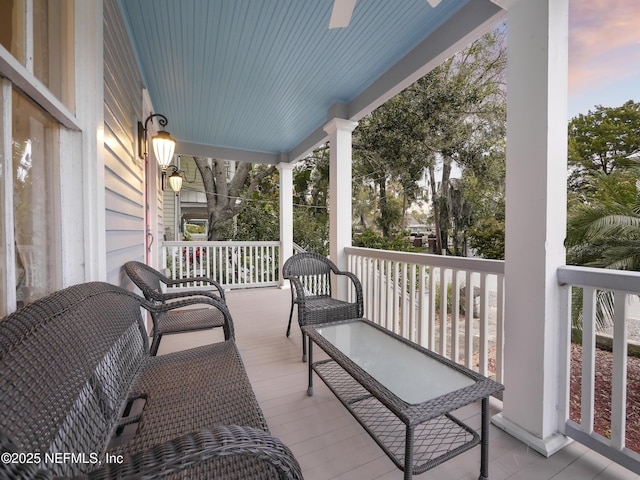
(401, 393)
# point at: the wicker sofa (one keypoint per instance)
(81, 397)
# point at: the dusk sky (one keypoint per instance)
(604, 53)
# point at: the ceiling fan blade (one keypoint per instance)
(434, 3)
(341, 14)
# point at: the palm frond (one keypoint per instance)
(614, 225)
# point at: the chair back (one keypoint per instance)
(67, 362)
(147, 279)
(312, 270)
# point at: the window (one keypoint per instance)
(53, 47)
(49, 55)
(35, 146)
(41, 241)
(13, 28)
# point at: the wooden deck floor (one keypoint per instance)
(327, 440)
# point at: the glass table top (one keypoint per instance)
(408, 373)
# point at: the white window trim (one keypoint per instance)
(9, 266)
(26, 81)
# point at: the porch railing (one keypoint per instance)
(606, 296)
(452, 305)
(232, 264)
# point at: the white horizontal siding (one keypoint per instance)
(124, 174)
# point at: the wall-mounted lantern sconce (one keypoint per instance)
(175, 180)
(163, 144)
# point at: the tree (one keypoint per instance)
(259, 221)
(605, 232)
(384, 152)
(483, 184)
(603, 227)
(487, 238)
(461, 105)
(227, 195)
(601, 142)
(310, 202)
(454, 115)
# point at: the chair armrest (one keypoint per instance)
(209, 280)
(202, 450)
(353, 277)
(163, 297)
(164, 307)
(299, 290)
(358, 287)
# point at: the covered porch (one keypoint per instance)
(327, 440)
(133, 58)
(533, 332)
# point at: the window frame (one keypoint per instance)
(80, 171)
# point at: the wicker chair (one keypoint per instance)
(175, 318)
(310, 276)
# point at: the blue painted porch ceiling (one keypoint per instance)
(260, 75)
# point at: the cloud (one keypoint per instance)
(604, 42)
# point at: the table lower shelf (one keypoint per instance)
(434, 441)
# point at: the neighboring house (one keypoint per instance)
(188, 207)
(78, 200)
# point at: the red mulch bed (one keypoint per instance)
(604, 369)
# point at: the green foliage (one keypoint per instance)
(461, 299)
(311, 232)
(487, 238)
(462, 109)
(453, 116)
(385, 151)
(190, 229)
(259, 221)
(389, 220)
(604, 220)
(602, 142)
(311, 193)
(370, 239)
(311, 182)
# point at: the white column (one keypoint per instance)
(286, 215)
(536, 221)
(340, 161)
